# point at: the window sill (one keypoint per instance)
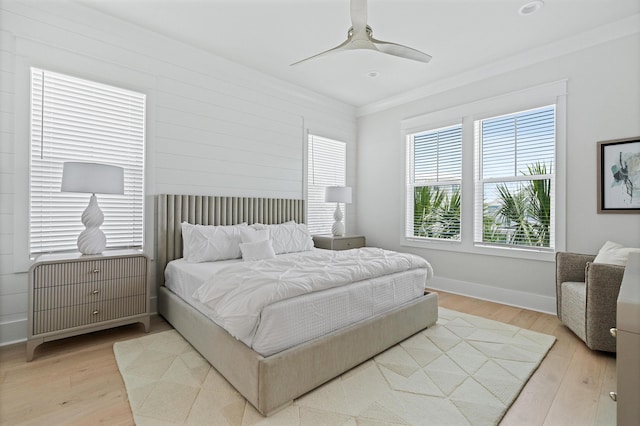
(471, 248)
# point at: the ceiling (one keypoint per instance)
(461, 35)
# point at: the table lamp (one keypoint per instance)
(92, 178)
(337, 194)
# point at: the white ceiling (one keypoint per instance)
(461, 35)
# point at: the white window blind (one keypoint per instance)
(515, 179)
(80, 120)
(326, 166)
(434, 173)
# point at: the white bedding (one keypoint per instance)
(296, 320)
(238, 293)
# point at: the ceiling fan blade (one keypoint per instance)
(358, 15)
(344, 46)
(360, 36)
(400, 51)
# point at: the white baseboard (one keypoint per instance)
(13, 332)
(16, 331)
(153, 304)
(520, 299)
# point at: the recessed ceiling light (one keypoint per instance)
(373, 74)
(531, 7)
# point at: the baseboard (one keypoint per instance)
(13, 332)
(16, 331)
(153, 304)
(520, 299)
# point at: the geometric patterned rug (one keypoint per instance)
(463, 370)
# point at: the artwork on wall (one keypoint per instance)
(619, 176)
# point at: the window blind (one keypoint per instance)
(434, 183)
(515, 179)
(80, 120)
(326, 166)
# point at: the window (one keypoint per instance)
(79, 120)
(515, 180)
(434, 176)
(326, 166)
(488, 177)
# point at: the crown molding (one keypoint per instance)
(603, 34)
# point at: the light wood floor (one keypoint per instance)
(76, 380)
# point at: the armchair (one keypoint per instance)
(587, 294)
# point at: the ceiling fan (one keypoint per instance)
(360, 36)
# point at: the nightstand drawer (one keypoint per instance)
(347, 243)
(65, 273)
(330, 242)
(70, 295)
(88, 313)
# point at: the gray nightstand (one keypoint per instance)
(72, 294)
(346, 242)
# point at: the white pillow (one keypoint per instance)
(254, 235)
(259, 226)
(257, 251)
(289, 237)
(206, 243)
(614, 254)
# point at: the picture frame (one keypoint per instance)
(619, 176)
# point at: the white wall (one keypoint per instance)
(603, 103)
(213, 127)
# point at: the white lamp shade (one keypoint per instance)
(92, 178)
(338, 194)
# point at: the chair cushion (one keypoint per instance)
(574, 301)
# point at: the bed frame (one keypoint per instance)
(270, 383)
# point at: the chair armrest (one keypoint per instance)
(602, 285)
(569, 267)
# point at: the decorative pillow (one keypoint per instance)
(205, 243)
(260, 226)
(614, 254)
(250, 235)
(289, 237)
(257, 251)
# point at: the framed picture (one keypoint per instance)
(619, 176)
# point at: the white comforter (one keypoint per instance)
(238, 293)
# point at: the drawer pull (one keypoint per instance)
(95, 292)
(614, 332)
(95, 271)
(349, 244)
(96, 312)
(613, 395)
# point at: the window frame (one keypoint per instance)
(412, 183)
(329, 208)
(480, 181)
(21, 260)
(90, 121)
(546, 94)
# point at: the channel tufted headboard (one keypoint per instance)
(172, 210)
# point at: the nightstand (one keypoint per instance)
(71, 294)
(346, 242)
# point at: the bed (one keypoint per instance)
(271, 380)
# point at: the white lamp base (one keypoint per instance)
(337, 229)
(92, 239)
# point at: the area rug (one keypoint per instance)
(463, 370)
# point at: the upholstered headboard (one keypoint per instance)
(172, 210)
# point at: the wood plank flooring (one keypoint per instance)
(76, 381)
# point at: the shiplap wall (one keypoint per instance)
(213, 127)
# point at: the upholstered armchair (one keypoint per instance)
(587, 293)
